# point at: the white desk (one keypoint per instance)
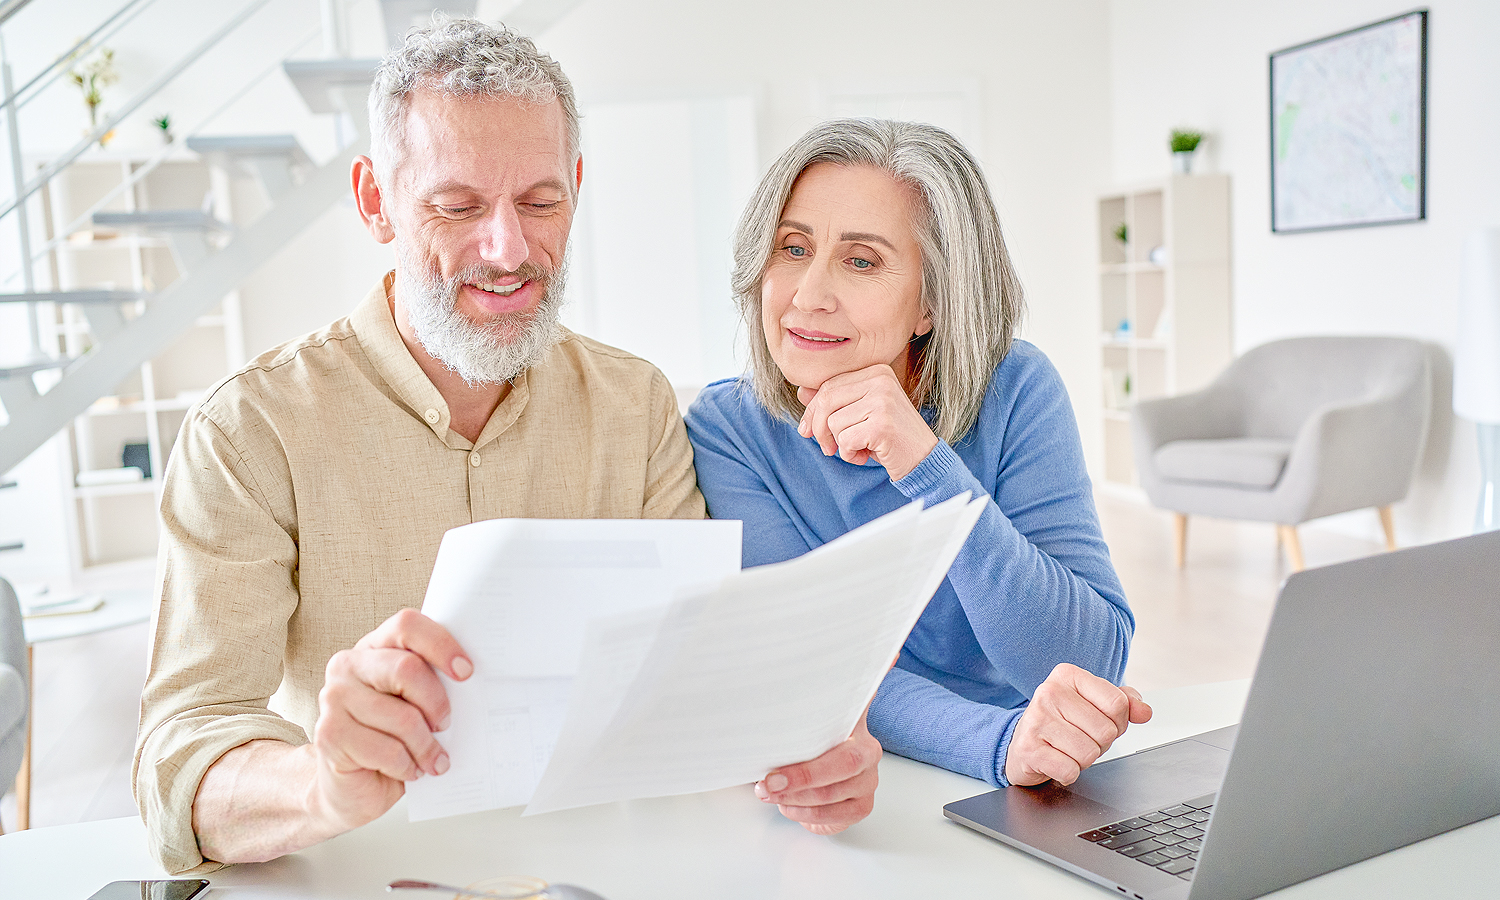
(724, 844)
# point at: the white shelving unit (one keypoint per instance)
(1164, 299)
(118, 521)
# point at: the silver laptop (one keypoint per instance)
(1373, 722)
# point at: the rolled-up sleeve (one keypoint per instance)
(226, 588)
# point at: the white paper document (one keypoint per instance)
(771, 667)
(616, 660)
(518, 594)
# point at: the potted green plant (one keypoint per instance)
(92, 76)
(1184, 143)
(163, 124)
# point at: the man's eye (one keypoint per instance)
(457, 210)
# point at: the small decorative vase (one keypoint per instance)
(1182, 162)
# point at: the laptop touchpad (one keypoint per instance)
(1155, 777)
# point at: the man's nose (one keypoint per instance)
(501, 241)
(815, 291)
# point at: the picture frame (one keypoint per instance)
(1349, 128)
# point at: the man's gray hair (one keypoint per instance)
(969, 288)
(462, 58)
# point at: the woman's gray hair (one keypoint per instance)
(462, 58)
(969, 288)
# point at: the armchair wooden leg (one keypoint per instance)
(1293, 545)
(23, 777)
(1388, 522)
(1179, 535)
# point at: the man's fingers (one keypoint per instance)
(383, 714)
(410, 630)
(399, 673)
(346, 747)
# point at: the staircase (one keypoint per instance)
(127, 328)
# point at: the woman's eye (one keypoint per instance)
(794, 251)
(861, 263)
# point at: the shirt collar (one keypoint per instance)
(374, 321)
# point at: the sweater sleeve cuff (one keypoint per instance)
(1003, 750)
(940, 476)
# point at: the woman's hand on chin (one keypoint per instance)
(866, 413)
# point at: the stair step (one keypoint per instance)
(322, 81)
(248, 146)
(160, 220)
(283, 145)
(80, 297)
(18, 370)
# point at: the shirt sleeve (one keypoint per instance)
(1034, 578)
(671, 482)
(226, 588)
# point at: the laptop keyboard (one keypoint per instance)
(1168, 838)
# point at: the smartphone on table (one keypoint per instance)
(176, 889)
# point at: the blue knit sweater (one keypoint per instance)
(1032, 587)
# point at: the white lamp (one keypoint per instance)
(1476, 364)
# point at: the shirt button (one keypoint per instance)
(474, 460)
(432, 416)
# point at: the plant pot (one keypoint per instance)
(1182, 162)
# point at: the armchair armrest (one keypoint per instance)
(1355, 455)
(1204, 414)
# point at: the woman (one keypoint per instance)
(880, 304)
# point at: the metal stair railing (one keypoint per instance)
(131, 105)
(150, 165)
(34, 419)
(206, 275)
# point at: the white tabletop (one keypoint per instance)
(120, 608)
(723, 844)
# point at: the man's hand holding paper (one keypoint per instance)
(762, 675)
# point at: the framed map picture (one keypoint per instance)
(1349, 128)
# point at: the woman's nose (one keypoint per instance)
(814, 292)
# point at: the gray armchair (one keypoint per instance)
(14, 696)
(1293, 430)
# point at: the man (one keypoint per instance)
(307, 495)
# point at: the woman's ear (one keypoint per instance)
(369, 200)
(924, 325)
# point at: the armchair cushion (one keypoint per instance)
(1254, 463)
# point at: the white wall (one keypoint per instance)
(1038, 74)
(1183, 63)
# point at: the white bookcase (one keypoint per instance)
(1164, 299)
(118, 521)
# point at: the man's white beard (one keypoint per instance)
(489, 353)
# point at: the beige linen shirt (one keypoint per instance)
(304, 503)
